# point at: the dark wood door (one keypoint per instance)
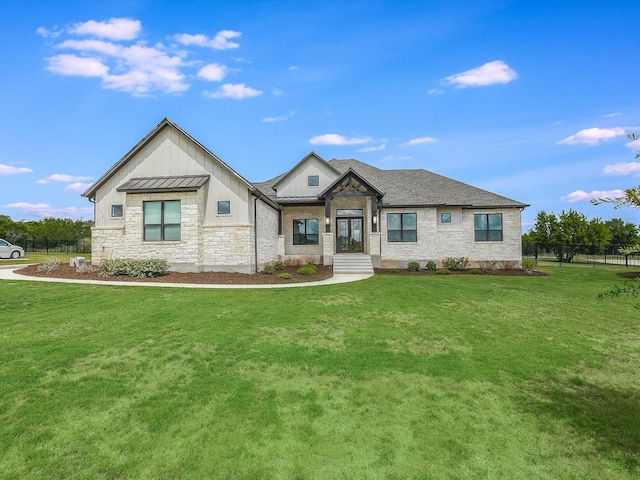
(349, 235)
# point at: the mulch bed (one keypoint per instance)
(217, 278)
(502, 272)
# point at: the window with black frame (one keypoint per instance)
(305, 231)
(487, 227)
(402, 227)
(161, 221)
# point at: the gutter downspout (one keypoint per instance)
(255, 232)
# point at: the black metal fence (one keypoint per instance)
(56, 246)
(580, 254)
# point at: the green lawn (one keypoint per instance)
(392, 378)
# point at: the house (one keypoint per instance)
(170, 197)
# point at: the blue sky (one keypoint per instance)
(531, 100)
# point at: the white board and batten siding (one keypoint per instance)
(295, 183)
(171, 153)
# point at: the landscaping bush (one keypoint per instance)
(475, 271)
(489, 266)
(50, 265)
(529, 265)
(431, 266)
(443, 271)
(268, 269)
(86, 269)
(307, 270)
(393, 270)
(285, 276)
(278, 265)
(455, 263)
(413, 266)
(509, 264)
(152, 267)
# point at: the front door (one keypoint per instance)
(349, 235)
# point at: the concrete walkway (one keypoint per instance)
(7, 272)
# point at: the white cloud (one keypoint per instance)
(632, 168)
(9, 170)
(46, 210)
(281, 118)
(58, 177)
(593, 136)
(334, 139)
(219, 42)
(581, 196)
(435, 91)
(419, 141)
(382, 146)
(114, 29)
(46, 33)
(77, 187)
(610, 115)
(73, 65)
(236, 91)
(635, 145)
(213, 72)
(487, 74)
(293, 67)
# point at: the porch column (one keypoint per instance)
(328, 248)
(327, 213)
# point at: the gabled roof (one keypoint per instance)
(185, 183)
(363, 185)
(311, 154)
(412, 188)
(91, 191)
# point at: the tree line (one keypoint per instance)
(50, 229)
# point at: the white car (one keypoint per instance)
(8, 250)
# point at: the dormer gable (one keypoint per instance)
(308, 178)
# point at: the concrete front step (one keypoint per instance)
(352, 263)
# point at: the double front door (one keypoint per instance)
(349, 235)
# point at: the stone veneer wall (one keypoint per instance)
(228, 248)
(267, 232)
(106, 243)
(435, 244)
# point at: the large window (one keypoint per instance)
(162, 221)
(305, 231)
(488, 227)
(402, 227)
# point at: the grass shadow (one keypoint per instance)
(630, 275)
(608, 415)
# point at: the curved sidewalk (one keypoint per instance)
(8, 273)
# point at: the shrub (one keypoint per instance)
(393, 270)
(413, 266)
(431, 266)
(278, 265)
(285, 276)
(307, 270)
(86, 269)
(489, 266)
(50, 265)
(443, 271)
(455, 263)
(529, 265)
(268, 269)
(509, 264)
(152, 267)
(475, 271)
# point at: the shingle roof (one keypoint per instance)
(412, 187)
(164, 184)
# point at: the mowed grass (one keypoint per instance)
(392, 378)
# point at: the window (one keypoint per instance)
(224, 207)
(488, 227)
(402, 227)
(313, 180)
(445, 218)
(162, 221)
(116, 210)
(351, 212)
(305, 231)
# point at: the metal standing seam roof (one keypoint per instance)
(164, 184)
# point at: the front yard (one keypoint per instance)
(466, 376)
